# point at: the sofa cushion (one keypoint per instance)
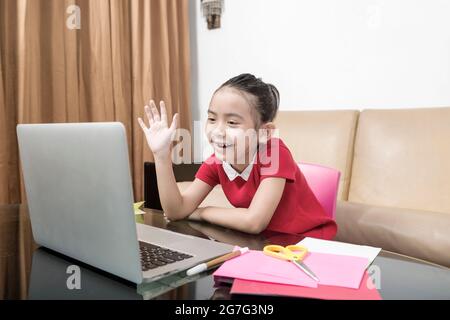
(416, 233)
(402, 159)
(321, 137)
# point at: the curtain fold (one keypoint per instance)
(126, 53)
(9, 37)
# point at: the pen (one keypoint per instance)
(205, 266)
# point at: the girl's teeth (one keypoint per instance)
(222, 145)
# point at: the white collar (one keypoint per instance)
(233, 174)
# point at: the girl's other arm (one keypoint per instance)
(253, 219)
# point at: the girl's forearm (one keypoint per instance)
(169, 194)
(234, 218)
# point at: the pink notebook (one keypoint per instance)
(332, 270)
(366, 291)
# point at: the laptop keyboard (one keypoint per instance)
(153, 256)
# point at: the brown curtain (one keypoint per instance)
(125, 53)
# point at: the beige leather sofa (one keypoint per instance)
(395, 174)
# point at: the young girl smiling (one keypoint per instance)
(260, 178)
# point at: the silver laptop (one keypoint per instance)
(80, 200)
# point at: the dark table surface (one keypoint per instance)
(28, 271)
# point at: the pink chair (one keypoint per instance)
(324, 183)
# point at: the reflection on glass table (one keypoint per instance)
(27, 271)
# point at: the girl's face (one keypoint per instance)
(231, 127)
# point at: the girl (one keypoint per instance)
(263, 183)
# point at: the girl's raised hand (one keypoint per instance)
(159, 136)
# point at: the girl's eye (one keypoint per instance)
(211, 119)
(233, 123)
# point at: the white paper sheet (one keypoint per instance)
(340, 248)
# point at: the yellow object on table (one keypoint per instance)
(136, 206)
(293, 253)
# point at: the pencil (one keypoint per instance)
(212, 263)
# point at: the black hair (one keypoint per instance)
(266, 97)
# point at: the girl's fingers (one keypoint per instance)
(174, 124)
(149, 115)
(142, 124)
(155, 112)
(162, 106)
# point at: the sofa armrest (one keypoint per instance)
(416, 233)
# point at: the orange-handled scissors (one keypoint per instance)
(294, 253)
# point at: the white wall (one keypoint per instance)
(328, 54)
